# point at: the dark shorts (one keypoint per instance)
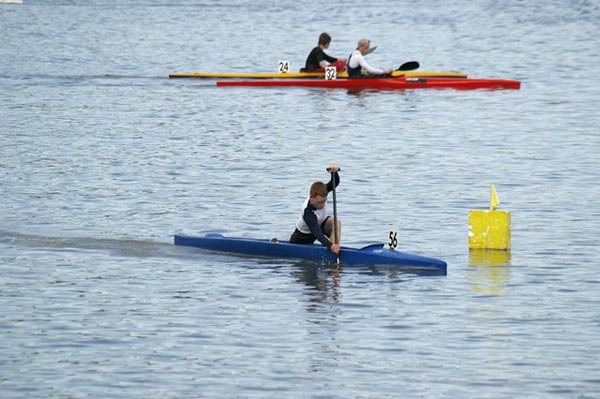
(299, 237)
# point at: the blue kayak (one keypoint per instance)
(374, 254)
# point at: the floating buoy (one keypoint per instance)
(490, 229)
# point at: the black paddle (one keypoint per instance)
(369, 51)
(408, 66)
(335, 229)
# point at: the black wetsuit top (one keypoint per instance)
(315, 57)
(310, 218)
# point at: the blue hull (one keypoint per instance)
(370, 255)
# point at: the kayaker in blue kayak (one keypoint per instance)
(317, 59)
(356, 61)
(314, 223)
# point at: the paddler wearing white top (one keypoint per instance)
(314, 223)
(356, 61)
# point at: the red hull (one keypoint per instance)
(383, 83)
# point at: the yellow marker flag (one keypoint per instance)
(494, 200)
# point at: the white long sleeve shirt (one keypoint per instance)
(356, 59)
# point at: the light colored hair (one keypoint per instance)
(318, 188)
(363, 42)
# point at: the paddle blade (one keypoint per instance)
(408, 66)
(369, 51)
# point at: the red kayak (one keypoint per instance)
(387, 83)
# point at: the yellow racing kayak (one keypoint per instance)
(305, 75)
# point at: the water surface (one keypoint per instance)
(103, 159)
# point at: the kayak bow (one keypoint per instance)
(370, 255)
(382, 83)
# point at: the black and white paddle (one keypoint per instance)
(335, 224)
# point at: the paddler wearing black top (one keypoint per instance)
(315, 62)
(314, 223)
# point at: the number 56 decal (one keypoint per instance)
(393, 241)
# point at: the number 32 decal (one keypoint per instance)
(330, 73)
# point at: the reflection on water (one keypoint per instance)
(323, 283)
(490, 271)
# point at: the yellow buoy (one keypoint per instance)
(489, 229)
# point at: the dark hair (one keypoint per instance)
(324, 38)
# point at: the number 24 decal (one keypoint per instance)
(283, 66)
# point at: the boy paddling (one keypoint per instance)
(356, 61)
(314, 223)
(317, 59)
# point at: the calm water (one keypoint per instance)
(103, 159)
